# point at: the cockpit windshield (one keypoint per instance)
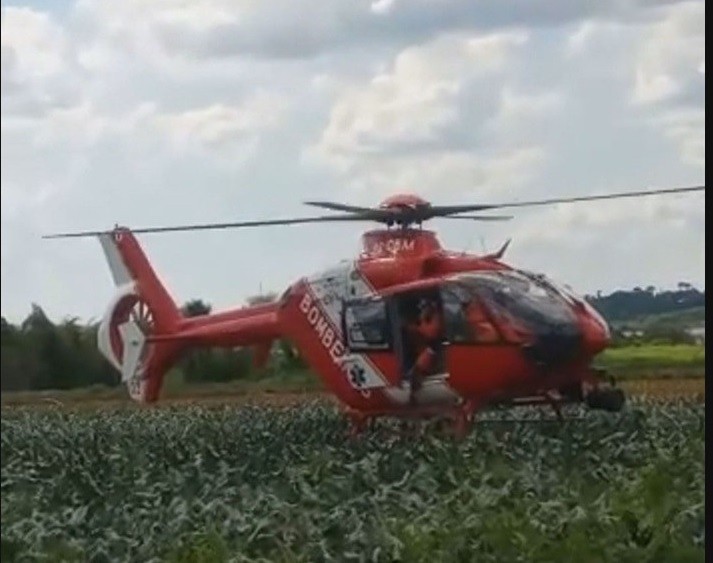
(521, 296)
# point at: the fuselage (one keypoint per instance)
(496, 332)
(527, 335)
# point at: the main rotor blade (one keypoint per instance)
(333, 206)
(479, 217)
(444, 210)
(232, 225)
(368, 213)
(388, 216)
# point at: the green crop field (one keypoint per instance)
(654, 360)
(264, 484)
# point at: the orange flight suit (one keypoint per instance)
(478, 320)
(426, 332)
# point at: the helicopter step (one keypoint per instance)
(457, 419)
(429, 390)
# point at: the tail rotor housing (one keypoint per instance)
(140, 310)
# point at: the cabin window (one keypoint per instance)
(454, 303)
(366, 325)
(466, 317)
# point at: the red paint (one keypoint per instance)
(403, 200)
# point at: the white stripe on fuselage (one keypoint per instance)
(322, 304)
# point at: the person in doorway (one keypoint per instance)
(426, 334)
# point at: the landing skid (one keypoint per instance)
(456, 420)
(459, 420)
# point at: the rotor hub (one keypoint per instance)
(403, 201)
(405, 209)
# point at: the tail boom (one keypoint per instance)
(248, 328)
(143, 333)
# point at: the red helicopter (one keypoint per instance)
(407, 329)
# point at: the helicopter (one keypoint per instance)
(499, 335)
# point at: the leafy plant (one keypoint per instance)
(261, 484)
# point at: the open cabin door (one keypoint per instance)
(461, 325)
(407, 310)
(384, 329)
(421, 344)
(379, 333)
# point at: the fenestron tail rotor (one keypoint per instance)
(402, 210)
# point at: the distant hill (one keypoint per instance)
(649, 308)
(675, 320)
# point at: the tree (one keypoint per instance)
(284, 356)
(40, 354)
(18, 368)
(262, 298)
(203, 365)
(195, 308)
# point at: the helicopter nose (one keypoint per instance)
(595, 332)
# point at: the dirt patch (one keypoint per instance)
(664, 389)
(668, 388)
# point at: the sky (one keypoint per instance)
(157, 112)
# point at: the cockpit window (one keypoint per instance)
(511, 306)
(519, 297)
(367, 325)
(467, 320)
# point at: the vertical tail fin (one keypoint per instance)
(128, 264)
(141, 308)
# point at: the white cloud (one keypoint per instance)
(218, 129)
(580, 38)
(39, 70)
(38, 44)
(650, 87)
(218, 125)
(668, 67)
(415, 99)
(687, 128)
(661, 56)
(440, 174)
(516, 109)
(207, 29)
(381, 7)
(399, 131)
(657, 241)
(670, 53)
